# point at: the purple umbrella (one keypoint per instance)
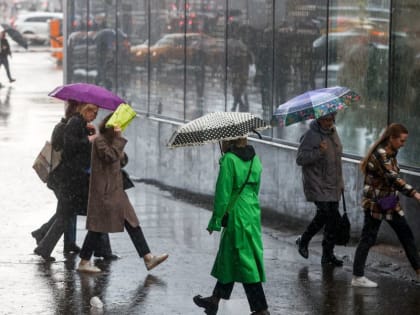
(87, 93)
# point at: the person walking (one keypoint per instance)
(319, 154)
(240, 254)
(5, 52)
(57, 142)
(109, 209)
(382, 185)
(72, 176)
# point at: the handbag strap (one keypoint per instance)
(243, 185)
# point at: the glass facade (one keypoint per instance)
(181, 59)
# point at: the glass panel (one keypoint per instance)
(133, 69)
(167, 60)
(358, 49)
(206, 58)
(102, 44)
(121, 46)
(77, 57)
(298, 61)
(405, 75)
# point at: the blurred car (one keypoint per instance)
(173, 48)
(138, 53)
(35, 25)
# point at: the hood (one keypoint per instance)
(317, 128)
(244, 153)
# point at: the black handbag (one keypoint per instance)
(127, 182)
(342, 236)
(226, 215)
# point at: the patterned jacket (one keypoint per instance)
(383, 179)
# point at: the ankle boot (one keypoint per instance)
(331, 260)
(302, 247)
(208, 303)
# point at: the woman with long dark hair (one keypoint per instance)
(382, 185)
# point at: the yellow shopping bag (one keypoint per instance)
(122, 117)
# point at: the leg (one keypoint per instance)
(46, 246)
(103, 248)
(211, 303)
(91, 242)
(223, 290)
(328, 242)
(139, 241)
(314, 227)
(70, 236)
(6, 66)
(367, 240)
(39, 233)
(256, 297)
(405, 235)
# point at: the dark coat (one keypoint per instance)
(73, 171)
(321, 171)
(5, 48)
(108, 205)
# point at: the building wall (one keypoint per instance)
(270, 51)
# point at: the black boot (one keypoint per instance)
(72, 248)
(38, 236)
(330, 259)
(302, 247)
(208, 303)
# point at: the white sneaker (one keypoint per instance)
(363, 282)
(88, 268)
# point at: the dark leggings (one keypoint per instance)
(254, 293)
(368, 239)
(92, 240)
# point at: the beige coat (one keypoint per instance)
(108, 204)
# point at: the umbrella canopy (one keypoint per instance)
(87, 93)
(215, 127)
(314, 104)
(15, 35)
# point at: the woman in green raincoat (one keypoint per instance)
(240, 255)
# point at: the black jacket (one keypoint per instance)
(5, 48)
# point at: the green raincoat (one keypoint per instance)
(240, 255)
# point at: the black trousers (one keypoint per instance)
(254, 294)
(62, 223)
(69, 234)
(369, 234)
(92, 240)
(327, 216)
(5, 62)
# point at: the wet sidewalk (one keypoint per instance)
(294, 286)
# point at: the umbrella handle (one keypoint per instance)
(258, 134)
(220, 146)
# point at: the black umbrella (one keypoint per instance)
(15, 35)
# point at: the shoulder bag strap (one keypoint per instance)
(242, 187)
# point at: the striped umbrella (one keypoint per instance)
(215, 127)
